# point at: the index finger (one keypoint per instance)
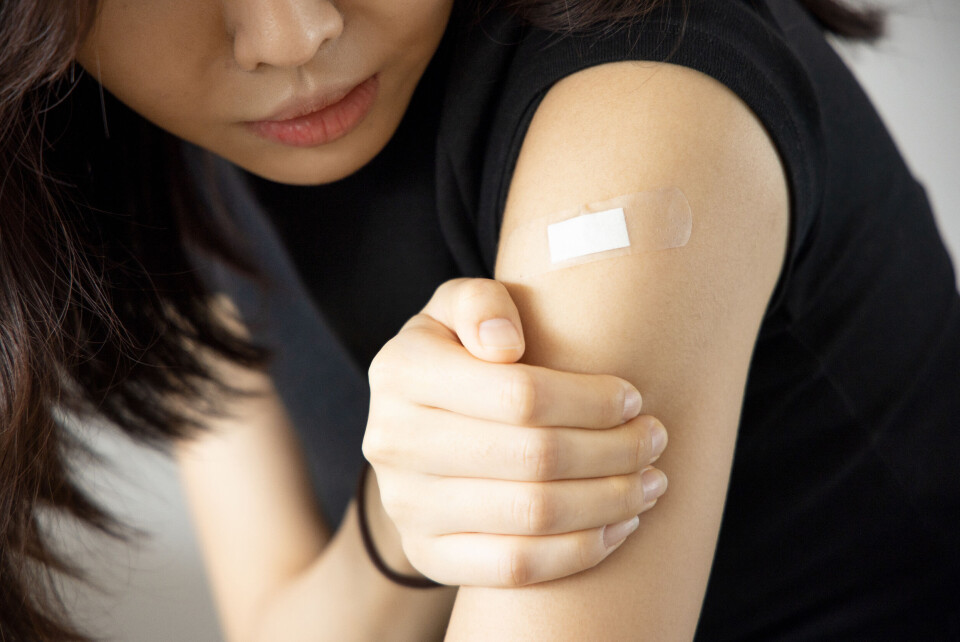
(444, 375)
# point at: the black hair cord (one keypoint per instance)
(386, 571)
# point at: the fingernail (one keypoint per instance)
(654, 484)
(616, 533)
(631, 404)
(658, 439)
(500, 334)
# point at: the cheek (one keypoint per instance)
(416, 24)
(153, 56)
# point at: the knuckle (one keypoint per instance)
(472, 291)
(540, 456)
(378, 449)
(625, 493)
(514, 568)
(533, 511)
(640, 452)
(382, 368)
(395, 504)
(380, 443)
(519, 396)
(418, 552)
(447, 288)
(371, 447)
(588, 553)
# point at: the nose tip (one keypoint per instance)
(283, 33)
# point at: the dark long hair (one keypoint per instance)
(558, 15)
(99, 299)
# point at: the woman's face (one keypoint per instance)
(296, 91)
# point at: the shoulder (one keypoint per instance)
(679, 47)
(628, 127)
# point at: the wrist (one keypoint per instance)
(383, 532)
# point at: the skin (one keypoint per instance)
(277, 573)
(276, 570)
(680, 324)
(462, 448)
(201, 69)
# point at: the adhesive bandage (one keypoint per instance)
(629, 224)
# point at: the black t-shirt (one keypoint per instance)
(844, 502)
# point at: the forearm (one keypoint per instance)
(342, 596)
(275, 572)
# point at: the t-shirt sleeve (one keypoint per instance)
(739, 45)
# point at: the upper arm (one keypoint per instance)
(679, 323)
(253, 508)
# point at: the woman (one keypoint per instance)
(809, 251)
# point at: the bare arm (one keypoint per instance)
(680, 324)
(276, 572)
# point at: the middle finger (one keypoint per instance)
(469, 447)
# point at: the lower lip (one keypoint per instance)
(325, 125)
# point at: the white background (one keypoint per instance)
(155, 592)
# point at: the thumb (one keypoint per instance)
(482, 315)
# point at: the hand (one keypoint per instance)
(497, 473)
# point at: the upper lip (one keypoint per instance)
(298, 106)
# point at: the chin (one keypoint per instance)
(312, 165)
(306, 166)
